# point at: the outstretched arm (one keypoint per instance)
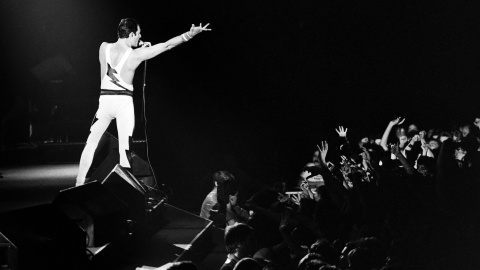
(148, 52)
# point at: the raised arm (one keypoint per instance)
(406, 165)
(323, 154)
(148, 52)
(425, 150)
(397, 121)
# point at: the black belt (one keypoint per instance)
(116, 92)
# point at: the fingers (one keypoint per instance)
(323, 147)
(205, 27)
(201, 28)
(341, 129)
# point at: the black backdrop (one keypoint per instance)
(270, 81)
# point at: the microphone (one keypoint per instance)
(143, 44)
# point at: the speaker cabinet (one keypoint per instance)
(105, 209)
(128, 189)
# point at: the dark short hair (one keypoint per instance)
(222, 176)
(237, 235)
(226, 186)
(126, 27)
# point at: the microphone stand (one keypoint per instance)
(144, 117)
(143, 90)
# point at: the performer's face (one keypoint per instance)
(136, 37)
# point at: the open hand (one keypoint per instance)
(296, 199)
(397, 121)
(342, 132)
(323, 150)
(282, 197)
(194, 30)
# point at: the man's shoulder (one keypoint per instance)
(104, 44)
(102, 47)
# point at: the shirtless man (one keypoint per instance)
(118, 62)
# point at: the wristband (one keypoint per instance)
(188, 34)
(184, 38)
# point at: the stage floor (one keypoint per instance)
(28, 185)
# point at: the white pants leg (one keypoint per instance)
(125, 125)
(110, 107)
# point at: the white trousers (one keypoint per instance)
(119, 107)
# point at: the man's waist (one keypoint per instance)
(116, 92)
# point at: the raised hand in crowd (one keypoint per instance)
(342, 132)
(477, 122)
(386, 133)
(323, 149)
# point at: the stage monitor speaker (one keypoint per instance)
(44, 237)
(105, 167)
(128, 189)
(98, 211)
(110, 158)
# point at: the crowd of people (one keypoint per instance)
(405, 200)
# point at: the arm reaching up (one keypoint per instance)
(408, 168)
(323, 154)
(394, 122)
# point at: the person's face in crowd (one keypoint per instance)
(403, 140)
(363, 141)
(457, 135)
(345, 169)
(460, 153)
(465, 130)
(233, 199)
(477, 122)
(248, 248)
(433, 144)
(412, 127)
(316, 181)
(423, 170)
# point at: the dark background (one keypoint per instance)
(270, 81)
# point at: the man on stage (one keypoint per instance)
(118, 62)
